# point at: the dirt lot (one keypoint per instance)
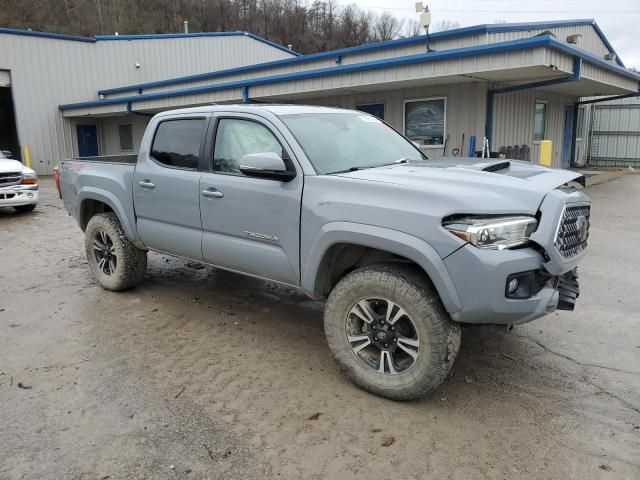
(199, 373)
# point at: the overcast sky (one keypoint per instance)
(619, 19)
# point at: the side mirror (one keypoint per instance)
(266, 165)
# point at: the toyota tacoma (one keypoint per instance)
(338, 204)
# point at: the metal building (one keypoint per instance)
(516, 84)
(39, 71)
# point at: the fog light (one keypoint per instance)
(513, 285)
(29, 195)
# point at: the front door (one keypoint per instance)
(567, 138)
(87, 140)
(166, 189)
(251, 225)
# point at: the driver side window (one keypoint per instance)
(236, 138)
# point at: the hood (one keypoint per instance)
(519, 183)
(7, 165)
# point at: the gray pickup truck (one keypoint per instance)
(341, 206)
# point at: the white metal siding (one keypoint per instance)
(513, 121)
(47, 72)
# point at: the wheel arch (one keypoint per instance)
(92, 201)
(371, 244)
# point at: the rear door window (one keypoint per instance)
(177, 143)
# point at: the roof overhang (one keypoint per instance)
(537, 58)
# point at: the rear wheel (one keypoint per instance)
(116, 263)
(389, 332)
(25, 208)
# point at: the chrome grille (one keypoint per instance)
(573, 231)
(10, 178)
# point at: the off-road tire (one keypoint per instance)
(408, 287)
(131, 261)
(25, 208)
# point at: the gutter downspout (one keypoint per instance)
(491, 93)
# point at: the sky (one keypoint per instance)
(619, 19)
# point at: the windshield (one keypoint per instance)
(339, 142)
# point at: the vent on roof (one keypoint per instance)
(496, 167)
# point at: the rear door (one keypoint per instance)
(166, 186)
(251, 225)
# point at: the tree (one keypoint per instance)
(444, 25)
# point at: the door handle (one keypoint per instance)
(147, 184)
(212, 193)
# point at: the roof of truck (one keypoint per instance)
(276, 109)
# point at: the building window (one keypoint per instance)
(177, 143)
(375, 109)
(125, 133)
(425, 120)
(539, 121)
(580, 123)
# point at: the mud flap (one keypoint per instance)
(569, 290)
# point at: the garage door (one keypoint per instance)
(5, 78)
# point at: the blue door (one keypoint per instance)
(567, 139)
(375, 109)
(87, 140)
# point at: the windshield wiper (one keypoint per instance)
(351, 169)
(355, 169)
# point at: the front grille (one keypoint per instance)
(573, 231)
(7, 196)
(10, 178)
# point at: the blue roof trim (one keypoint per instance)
(419, 39)
(57, 36)
(484, 49)
(149, 36)
(154, 36)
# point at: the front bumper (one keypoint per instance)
(481, 275)
(18, 195)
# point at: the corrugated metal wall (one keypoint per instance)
(513, 120)
(47, 72)
(615, 134)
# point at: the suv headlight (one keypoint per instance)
(492, 232)
(29, 178)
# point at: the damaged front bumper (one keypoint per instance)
(18, 195)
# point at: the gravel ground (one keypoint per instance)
(199, 373)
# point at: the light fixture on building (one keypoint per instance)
(574, 38)
(425, 20)
(610, 56)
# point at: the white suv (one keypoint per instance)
(18, 185)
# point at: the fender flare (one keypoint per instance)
(108, 198)
(392, 241)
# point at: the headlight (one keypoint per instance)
(29, 178)
(492, 232)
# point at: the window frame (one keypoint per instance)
(404, 120)
(544, 126)
(203, 138)
(130, 125)
(212, 137)
(582, 108)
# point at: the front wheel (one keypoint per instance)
(389, 332)
(116, 263)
